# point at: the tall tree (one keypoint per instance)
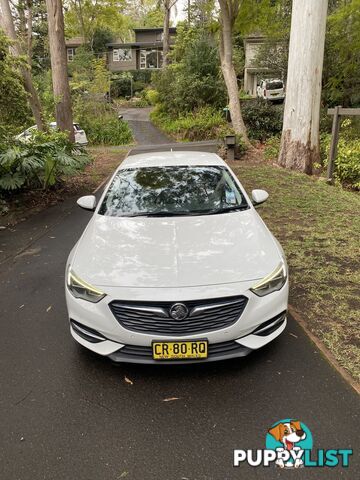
(59, 71)
(167, 6)
(85, 17)
(300, 137)
(7, 23)
(229, 10)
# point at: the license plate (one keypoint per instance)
(180, 350)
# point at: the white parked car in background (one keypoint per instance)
(175, 265)
(80, 135)
(271, 90)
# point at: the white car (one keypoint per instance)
(271, 90)
(80, 135)
(175, 265)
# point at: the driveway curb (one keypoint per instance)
(324, 350)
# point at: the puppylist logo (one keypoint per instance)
(289, 444)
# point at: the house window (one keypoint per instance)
(150, 58)
(70, 54)
(122, 55)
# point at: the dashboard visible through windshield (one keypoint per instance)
(172, 190)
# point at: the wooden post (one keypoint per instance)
(334, 143)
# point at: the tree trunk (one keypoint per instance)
(29, 29)
(59, 72)
(166, 35)
(228, 15)
(300, 136)
(9, 28)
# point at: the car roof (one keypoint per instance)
(162, 159)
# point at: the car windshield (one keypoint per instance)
(172, 190)
(276, 85)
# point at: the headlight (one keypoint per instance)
(80, 289)
(271, 283)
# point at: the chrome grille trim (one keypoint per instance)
(196, 310)
(160, 311)
(153, 317)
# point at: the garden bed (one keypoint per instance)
(19, 206)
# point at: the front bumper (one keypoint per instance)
(95, 327)
(216, 352)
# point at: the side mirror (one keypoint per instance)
(259, 196)
(88, 202)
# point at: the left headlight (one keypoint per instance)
(272, 282)
(81, 289)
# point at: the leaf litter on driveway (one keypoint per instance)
(127, 380)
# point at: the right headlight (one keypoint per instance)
(272, 282)
(81, 289)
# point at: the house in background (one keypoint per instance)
(146, 52)
(253, 72)
(71, 45)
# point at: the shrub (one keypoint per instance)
(125, 83)
(193, 80)
(14, 111)
(272, 148)
(263, 119)
(152, 96)
(39, 162)
(204, 124)
(347, 162)
(107, 130)
(101, 123)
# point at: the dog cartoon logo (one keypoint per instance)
(284, 436)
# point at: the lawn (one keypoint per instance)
(319, 229)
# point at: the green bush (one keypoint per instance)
(272, 148)
(203, 124)
(14, 110)
(262, 118)
(107, 130)
(152, 96)
(347, 162)
(194, 79)
(125, 83)
(39, 162)
(101, 123)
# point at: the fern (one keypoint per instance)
(11, 181)
(40, 161)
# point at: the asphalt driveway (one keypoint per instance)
(67, 414)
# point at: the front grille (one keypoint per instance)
(154, 317)
(136, 353)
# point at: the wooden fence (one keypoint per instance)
(337, 112)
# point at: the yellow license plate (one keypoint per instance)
(180, 350)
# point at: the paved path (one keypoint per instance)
(144, 131)
(67, 414)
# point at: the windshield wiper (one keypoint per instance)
(157, 214)
(234, 208)
(164, 213)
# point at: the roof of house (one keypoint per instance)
(134, 44)
(74, 42)
(155, 29)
